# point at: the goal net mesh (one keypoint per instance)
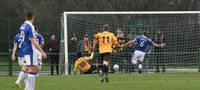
(180, 32)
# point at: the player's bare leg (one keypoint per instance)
(106, 64)
(22, 75)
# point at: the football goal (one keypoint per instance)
(180, 30)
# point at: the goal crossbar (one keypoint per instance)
(138, 12)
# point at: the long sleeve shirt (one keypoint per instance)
(53, 45)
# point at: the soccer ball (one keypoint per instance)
(116, 67)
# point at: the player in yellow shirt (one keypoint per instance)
(106, 39)
(85, 67)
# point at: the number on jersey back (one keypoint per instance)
(142, 43)
(106, 40)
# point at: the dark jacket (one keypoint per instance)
(53, 44)
(159, 39)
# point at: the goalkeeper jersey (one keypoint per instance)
(83, 64)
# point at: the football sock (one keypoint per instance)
(104, 67)
(140, 66)
(20, 77)
(25, 78)
(100, 67)
(31, 81)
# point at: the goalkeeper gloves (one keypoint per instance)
(74, 72)
(91, 57)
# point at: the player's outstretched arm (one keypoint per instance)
(13, 53)
(157, 45)
(33, 40)
(75, 66)
(133, 41)
(74, 71)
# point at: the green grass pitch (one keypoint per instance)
(164, 81)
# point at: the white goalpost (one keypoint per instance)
(177, 26)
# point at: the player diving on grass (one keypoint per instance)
(85, 67)
(141, 43)
(106, 39)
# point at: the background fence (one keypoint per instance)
(182, 38)
(10, 27)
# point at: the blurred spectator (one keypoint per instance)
(73, 44)
(52, 46)
(159, 38)
(84, 46)
(147, 57)
(72, 49)
(121, 40)
(128, 51)
(119, 30)
(132, 35)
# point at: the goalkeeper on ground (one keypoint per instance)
(85, 67)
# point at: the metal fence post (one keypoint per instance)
(10, 62)
(9, 33)
(175, 43)
(199, 59)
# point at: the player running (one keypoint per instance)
(106, 39)
(18, 47)
(140, 47)
(29, 47)
(40, 41)
(85, 67)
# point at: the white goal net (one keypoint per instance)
(180, 30)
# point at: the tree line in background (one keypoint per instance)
(48, 12)
(54, 8)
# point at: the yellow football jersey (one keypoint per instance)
(83, 64)
(106, 40)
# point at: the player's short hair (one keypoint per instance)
(119, 28)
(145, 33)
(36, 27)
(121, 33)
(106, 27)
(29, 15)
